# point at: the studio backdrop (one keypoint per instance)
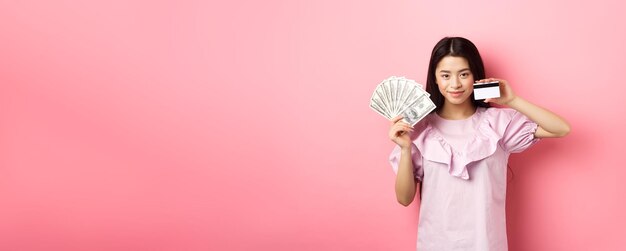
(244, 125)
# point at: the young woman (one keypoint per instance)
(459, 152)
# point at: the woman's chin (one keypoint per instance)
(457, 101)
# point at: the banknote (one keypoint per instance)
(401, 96)
(416, 112)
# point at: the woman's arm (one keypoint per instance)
(405, 181)
(399, 133)
(550, 124)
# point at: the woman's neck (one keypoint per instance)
(457, 111)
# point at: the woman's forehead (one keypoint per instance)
(452, 64)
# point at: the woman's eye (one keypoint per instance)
(464, 75)
(445, 76)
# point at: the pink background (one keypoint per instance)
(244, 125)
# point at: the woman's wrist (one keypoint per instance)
(513, 103)
(406, 149)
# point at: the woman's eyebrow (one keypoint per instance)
(446, 71)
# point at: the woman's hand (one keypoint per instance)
(400, 132)
(506, 93)
(550, 124)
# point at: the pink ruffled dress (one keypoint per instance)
(462, 165)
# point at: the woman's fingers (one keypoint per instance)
(396, 119)
(400, 132)
(487, 80)
(400, 128)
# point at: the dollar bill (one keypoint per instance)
(417, 111)
(401, 96)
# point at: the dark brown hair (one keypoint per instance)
(456, 47)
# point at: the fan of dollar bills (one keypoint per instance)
(401, 96)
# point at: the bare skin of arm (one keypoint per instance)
(406, 185)
(550, 124)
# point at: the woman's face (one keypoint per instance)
(455, 80)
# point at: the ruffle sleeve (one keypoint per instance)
(416, 157)
(517, 130)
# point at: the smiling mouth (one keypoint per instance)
(456, 94)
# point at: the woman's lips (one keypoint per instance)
(456, 94)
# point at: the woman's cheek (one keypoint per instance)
(442, 87)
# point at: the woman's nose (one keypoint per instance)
(455, 82)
